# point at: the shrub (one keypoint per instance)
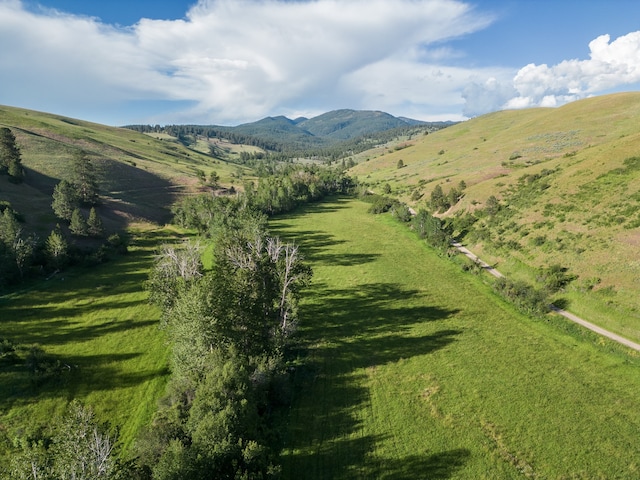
(525, 297)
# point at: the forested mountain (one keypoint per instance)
(282, 134)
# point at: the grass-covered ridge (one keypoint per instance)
(411, 368)
(139, 176)
(568, 187)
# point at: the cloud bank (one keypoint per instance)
(611, 65)
(231, 61)
(235, 60)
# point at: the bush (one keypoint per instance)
(526, 298)
(555, 277)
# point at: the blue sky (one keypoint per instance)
(233, 61)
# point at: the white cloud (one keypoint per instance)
(611, 65)
(236, 60)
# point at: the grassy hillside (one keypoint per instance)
(412, 369)
(568, 187)
(139, 177)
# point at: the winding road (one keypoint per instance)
(564, 313)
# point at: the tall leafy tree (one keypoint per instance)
(56, 248)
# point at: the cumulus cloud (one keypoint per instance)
(611, 65)
(238, 60)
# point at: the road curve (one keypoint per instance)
(559, 311)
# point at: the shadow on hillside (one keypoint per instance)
(127, 193)
(131, 193)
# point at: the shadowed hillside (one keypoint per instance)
(567, 185)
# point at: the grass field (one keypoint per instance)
(411, 369)
(98, 323)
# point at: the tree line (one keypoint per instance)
(229, 327)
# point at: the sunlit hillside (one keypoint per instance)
(568, 182)
(138, 176)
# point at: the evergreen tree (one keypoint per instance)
(94, 224)
(10, 161)
(9, 228)
(65, 200)
(16, 171)
(78, 225)
(84, 179)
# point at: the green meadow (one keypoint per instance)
(97, 325)
(409, 368)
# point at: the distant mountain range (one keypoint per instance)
(282, 133)
(328, 128)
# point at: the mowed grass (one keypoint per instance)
(98, 323)
(411, 369)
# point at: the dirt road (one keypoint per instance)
(564, 313)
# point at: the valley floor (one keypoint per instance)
(410, 368)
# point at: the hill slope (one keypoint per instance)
(568, 185)
(138, 176)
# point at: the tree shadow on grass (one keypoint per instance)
(415, 467)
(72, 376)
(373, 324)
(343, 331)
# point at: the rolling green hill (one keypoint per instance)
(568, 185)
(138, 176)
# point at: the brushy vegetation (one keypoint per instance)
(542, 187)
(408, 367)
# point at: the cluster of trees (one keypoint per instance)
(440, 202)
(23, 254)
(186, 134)
(295, 185)
(10, 158)
(17, 248)
(433, 230)
(81, 191)
(75, 446)
(284, 149)
(229, 326)
(277, 193)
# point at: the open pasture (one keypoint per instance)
(99, 336)
(409, 368)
